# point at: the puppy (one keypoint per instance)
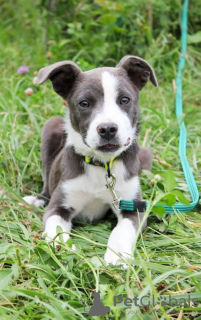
(96, 140)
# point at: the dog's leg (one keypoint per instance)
(51, 225)
(56, 215)
(123, 236)
(53, 140)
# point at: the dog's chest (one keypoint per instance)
(88, 196)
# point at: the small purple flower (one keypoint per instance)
(23, 69)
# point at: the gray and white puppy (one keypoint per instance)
(101, 123)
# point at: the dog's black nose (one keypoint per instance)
(107, 130)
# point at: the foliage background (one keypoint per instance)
(37, 282)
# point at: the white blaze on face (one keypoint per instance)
(110, 113)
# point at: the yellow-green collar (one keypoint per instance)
(97, 163)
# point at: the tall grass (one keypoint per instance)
(37, 281)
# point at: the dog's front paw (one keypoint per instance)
(113, 258)
(53, 235)
(62, 238)
(34, 201)
(120, 241)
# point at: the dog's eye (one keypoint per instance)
(84, 104)
(124, 100)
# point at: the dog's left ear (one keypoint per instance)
(138, 70)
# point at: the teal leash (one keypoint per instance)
(134, 205)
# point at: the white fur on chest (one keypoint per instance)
(88, 195)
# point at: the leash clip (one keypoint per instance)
(110, 185)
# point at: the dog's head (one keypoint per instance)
(103, 104)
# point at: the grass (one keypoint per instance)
(39, 282)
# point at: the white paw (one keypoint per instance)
(113, 258)
(121, 241)
(34, 201)
(49, 236)
(62, 238)
(51, 231)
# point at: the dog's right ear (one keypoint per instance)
(63, 76)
